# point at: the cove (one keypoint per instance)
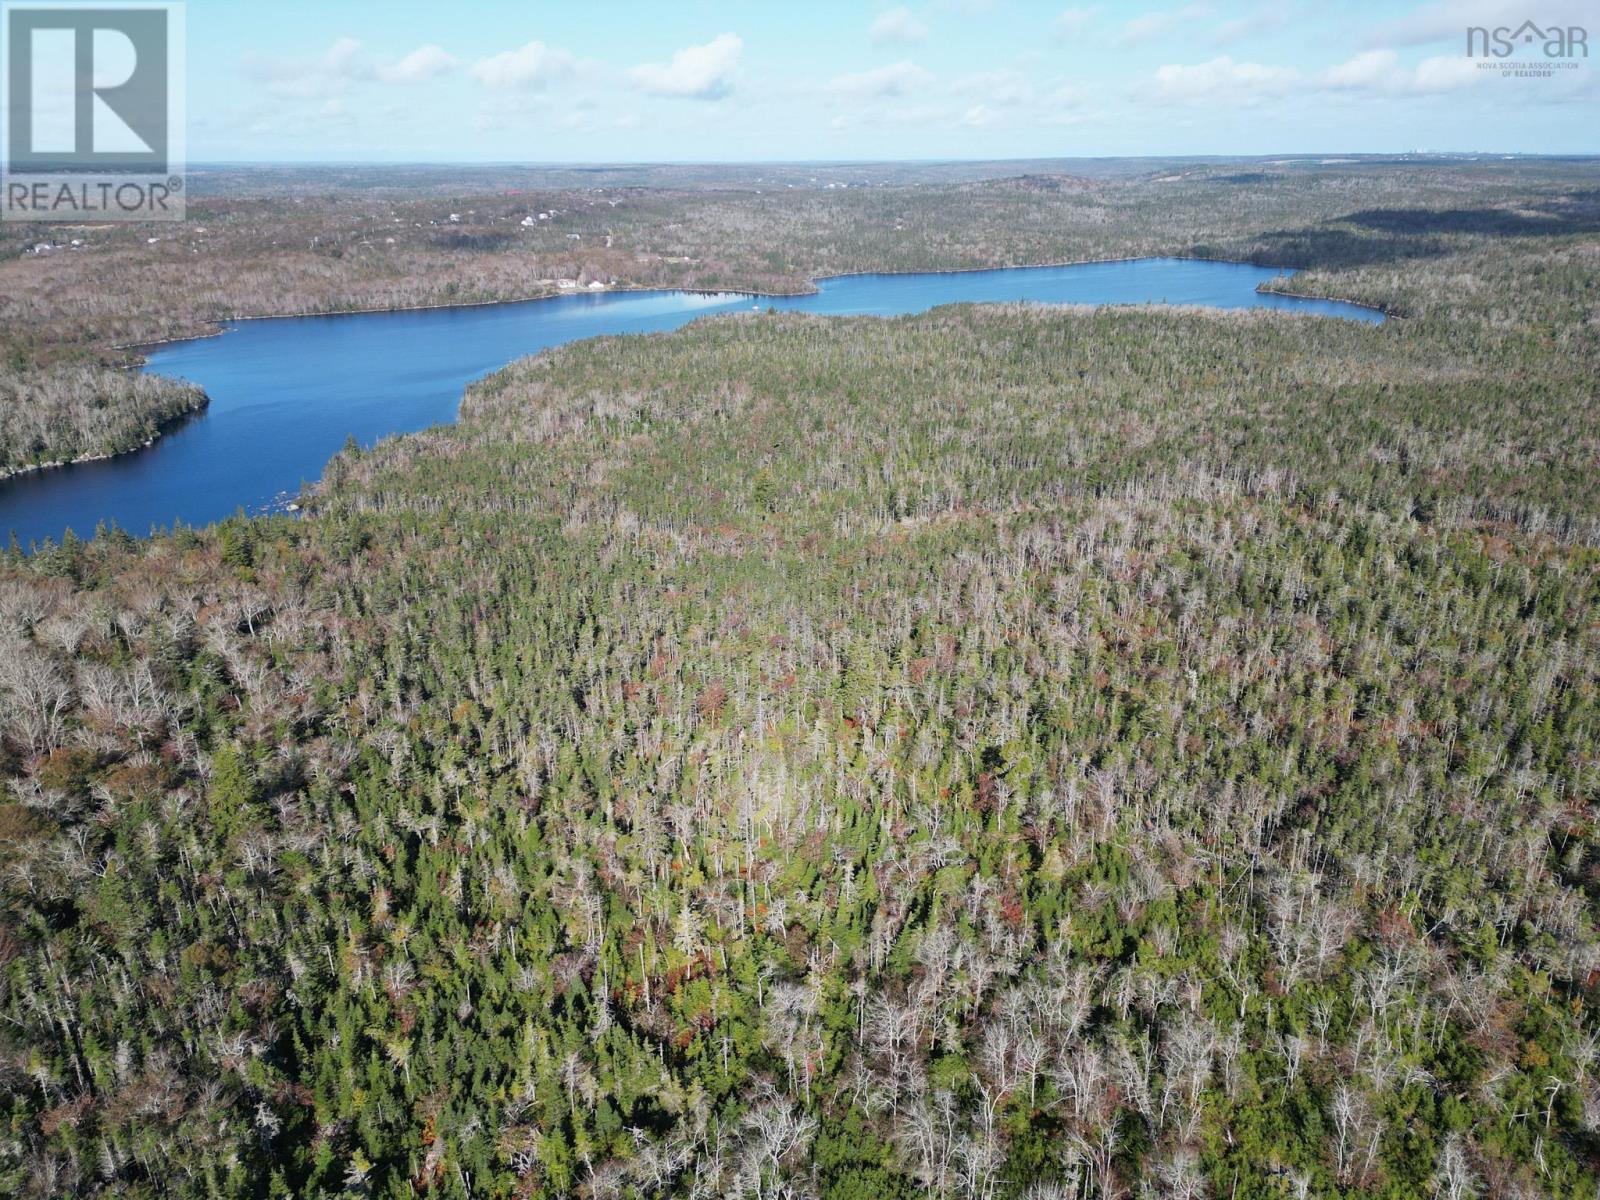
(286, 392)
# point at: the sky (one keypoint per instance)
(757, 80)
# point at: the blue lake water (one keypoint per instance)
(286, 393)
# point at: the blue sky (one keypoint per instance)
(703, 80)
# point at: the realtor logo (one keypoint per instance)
(93, 127)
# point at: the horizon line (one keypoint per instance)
(907, 162)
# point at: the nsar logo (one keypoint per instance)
(1553, 41)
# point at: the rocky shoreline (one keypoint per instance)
(162, 427)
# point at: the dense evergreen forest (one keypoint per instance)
(1005, 752)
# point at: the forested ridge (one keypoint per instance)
(391, 243)
(1001, 752)
(275, 242)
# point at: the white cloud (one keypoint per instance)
(698, 72)
(1369, 69)
(1005, 87)
(531, 67)
(1071, 22)
(1377, 73)
(1266, 19)
(1069, 95)
(1448, 73)
(344, 63)
(327, 74)
(509, 110)
(1222, 81)
(1381, 71)
(342, 55)
(978, 116)
(334, 112)
(897, 79)
(421, 64)
(1147, 27)
(910, 115)
(897, 27)
(588, 120)
(1067, 109)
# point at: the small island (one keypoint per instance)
(80, 413)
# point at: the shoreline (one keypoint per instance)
(1388, 313)
(16, 472)
(221, 325)
(163, 427)
(139, 360)
(218, 326)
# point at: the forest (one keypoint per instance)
(281, 241)
(71, 413)
(1007, 752)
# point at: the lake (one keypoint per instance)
(287, 392)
